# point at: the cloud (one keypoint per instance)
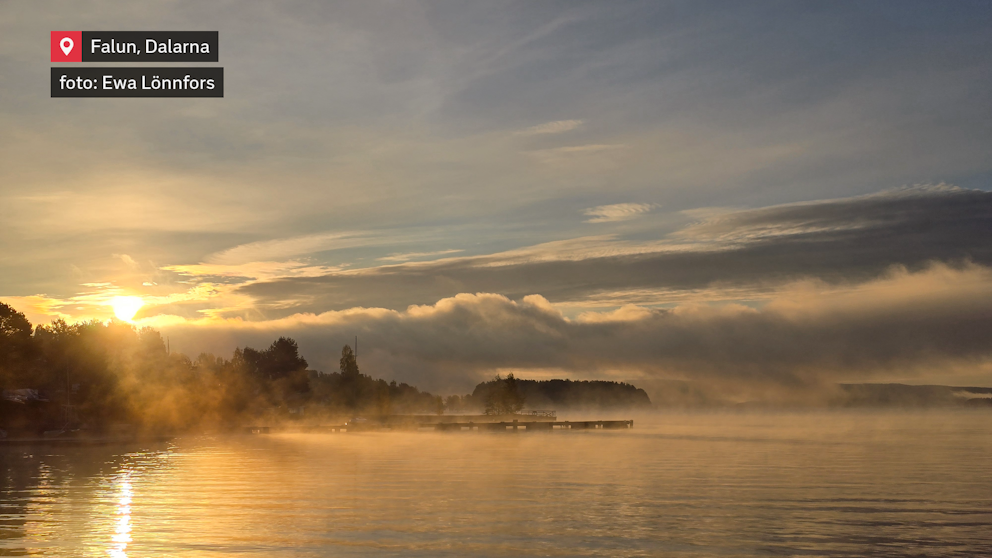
(887, 208)
(617, 212)
(416, 255)
(903, 324)
(251, 271)
(577, 149)
(556, 127)
(128, 260)
(747, 253)
(281, 249)
(39, 309)
(626, 313)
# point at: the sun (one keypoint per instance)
(125, 307)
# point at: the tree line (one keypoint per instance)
(101, 375)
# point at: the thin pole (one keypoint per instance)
(68, 391)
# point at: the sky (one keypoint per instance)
(746, 196)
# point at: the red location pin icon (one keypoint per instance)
(67, 46)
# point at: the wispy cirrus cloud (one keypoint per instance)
(885, 208)
(255, 270)
(284, 248)
(574, 156)
(617, 212)
(555, 127)
(588, 148)
(405, 257)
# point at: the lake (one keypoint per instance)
(825, 483)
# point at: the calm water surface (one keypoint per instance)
(706, 484)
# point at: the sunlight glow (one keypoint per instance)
(125, 307)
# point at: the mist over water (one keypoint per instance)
(837, 483)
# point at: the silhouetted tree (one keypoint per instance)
(17, 347)
(282, 359)
(503, 396)
(349, 364)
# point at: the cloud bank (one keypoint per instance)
(903, 324)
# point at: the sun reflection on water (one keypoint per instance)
(122, 532)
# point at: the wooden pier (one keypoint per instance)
(454, 426)
(527, 425)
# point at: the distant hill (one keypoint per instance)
(566, 394)
(902, 395)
